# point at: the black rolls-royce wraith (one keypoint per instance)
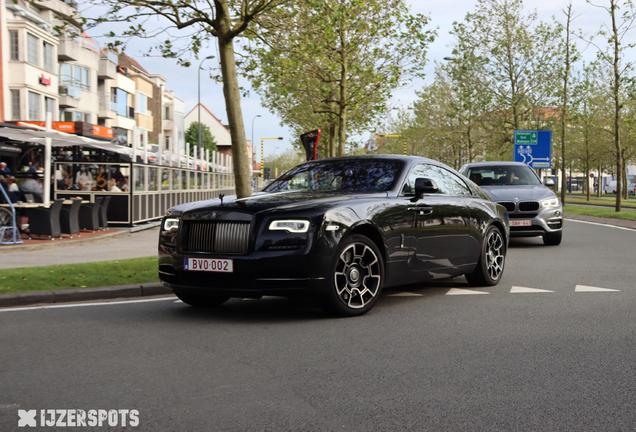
(339, 230)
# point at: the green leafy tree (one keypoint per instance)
(208, 142)
(337, 60)
(622, 17)
(513, 59)
(182, 29)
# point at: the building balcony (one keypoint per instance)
(107, 69)
(69, 96)
(68, 50)
(107, 109)
(167, 124)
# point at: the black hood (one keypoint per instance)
(264, 201)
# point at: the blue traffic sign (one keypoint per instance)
(534, 148)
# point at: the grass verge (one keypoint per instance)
(603, 201)
(85, 275)
(603, 212)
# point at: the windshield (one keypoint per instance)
(354, 175)
(502, 175)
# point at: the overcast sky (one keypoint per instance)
(443, 13)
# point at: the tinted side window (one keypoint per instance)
(447, 182)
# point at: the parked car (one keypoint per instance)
(610, 187)
(533, 208)
(339, 230)
(631, 189)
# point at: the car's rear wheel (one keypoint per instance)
(553, 239)
(200, 300)
(491, 262)
(356, 279)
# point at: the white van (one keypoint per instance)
(610, 187)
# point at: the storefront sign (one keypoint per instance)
(79, 128)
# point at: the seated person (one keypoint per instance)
(31, 186)
(476, 178)
(14, 191)
(112, 186)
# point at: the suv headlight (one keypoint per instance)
(291, 225)
(550, 202)
(170, 224)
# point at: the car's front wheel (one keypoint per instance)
(200, 300)
(491, 262)
(356, 278)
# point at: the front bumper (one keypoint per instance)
(281, 273)
(548, 221)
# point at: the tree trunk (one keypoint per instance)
(566, 78)
(232, 94)
(599, 179)
(342, 117)
(332, 140)
(617, 108)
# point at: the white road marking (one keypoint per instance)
(600, 224)
(518, 289)
(461, 291)
(58, 306)
(405, 294)
(178, 301)
(585, 288)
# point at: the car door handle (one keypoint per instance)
(421, 210)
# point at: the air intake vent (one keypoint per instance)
(529, 206)
(216, 237)
(510, 206)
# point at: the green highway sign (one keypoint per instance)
(526, 137)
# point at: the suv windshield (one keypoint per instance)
(355, 175)
(502, 175)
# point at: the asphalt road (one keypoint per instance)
(423, 359)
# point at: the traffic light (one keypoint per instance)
(267, 172)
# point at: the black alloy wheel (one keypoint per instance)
(357, 278)
(491, 262)
(200, 300)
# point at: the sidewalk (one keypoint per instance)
(122, 245)
(105, 246)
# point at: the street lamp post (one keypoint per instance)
(199, 92)
(263, 154)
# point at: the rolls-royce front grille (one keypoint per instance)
(528, 206)
(216, 237)
(510, 206)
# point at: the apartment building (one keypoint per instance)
(30, 51)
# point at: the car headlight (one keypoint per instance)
(550, 202)
(291, 225)
(170, 224)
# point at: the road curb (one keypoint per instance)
(83, 294)
(61, 244)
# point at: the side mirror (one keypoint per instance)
(424, 185)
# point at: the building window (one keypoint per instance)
(48, 56)
(49, 104)
(34, 106)
(14, 44)
(75, 116)
(15, 104)
(33, 53)
(142, 104)
(168, 113)
(74, 76)
(121, 98)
